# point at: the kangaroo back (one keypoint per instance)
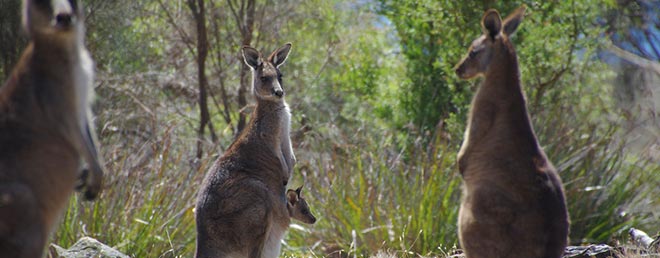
(45, 128)
(513, 200)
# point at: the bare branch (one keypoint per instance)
(239, 21)
(648, 39)
(543, 86)
(182, 33)
(633, 58)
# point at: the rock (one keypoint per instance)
(590, 251)
(84, 248)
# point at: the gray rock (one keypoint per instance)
(595, 251)
(85, 247)
(590, 251)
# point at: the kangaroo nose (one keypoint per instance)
(459, 70)
(279, 92)
(64, 19)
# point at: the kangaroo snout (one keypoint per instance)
(278, 92)
(64, 19)
(63, 12)
(459, 70)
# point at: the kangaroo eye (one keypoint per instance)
(264, 79)
(472, 54)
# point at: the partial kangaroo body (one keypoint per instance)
(298, 207)
(45, 128)
(242, 205)
(513, 200)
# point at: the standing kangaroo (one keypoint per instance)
(45, 128)
(242, 205)
(513, 200)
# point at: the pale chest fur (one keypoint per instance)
(81, 73)
(285, 149)
(84, 76)
(273, 243)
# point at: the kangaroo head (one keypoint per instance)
(52, 18)
(482, 50)
(266, 75)
(297, 206)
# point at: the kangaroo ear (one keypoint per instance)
(279, 56)
(292, 196)
(513, 20)
(491, 23)
(251, 57)
(298, 190)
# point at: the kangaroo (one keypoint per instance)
(46, 128)
(298, 208)
(242, 206)
(513, 200)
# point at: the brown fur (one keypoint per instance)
(44, 134)
(242, 208)
(513, 200)
(298, 207)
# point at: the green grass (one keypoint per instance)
(375, 192)
(369, 199)
(143, 211)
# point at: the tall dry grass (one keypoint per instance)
(374, 191)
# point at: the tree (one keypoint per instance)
(633, 28)
(634, 25)
(426, 97)
(200, 51)
(432, 35)
(244, 15)
(199, 13)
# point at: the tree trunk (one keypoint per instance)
(215, 20)
(245, 20)
(199, 13)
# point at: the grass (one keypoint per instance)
(373, 200)
(604, 188)
(372, 196)
(141, 212)
(145, 209)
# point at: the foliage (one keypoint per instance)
(113, 39)
(426, 96)
(570, 112)
(146, 207)
(634, 26)
(374, 82)
(391, 204)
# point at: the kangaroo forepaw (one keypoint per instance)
(80, 183)
(89, 183)
(92, 193)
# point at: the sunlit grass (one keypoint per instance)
(142, 212)
(374, 192)
(371, 198)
